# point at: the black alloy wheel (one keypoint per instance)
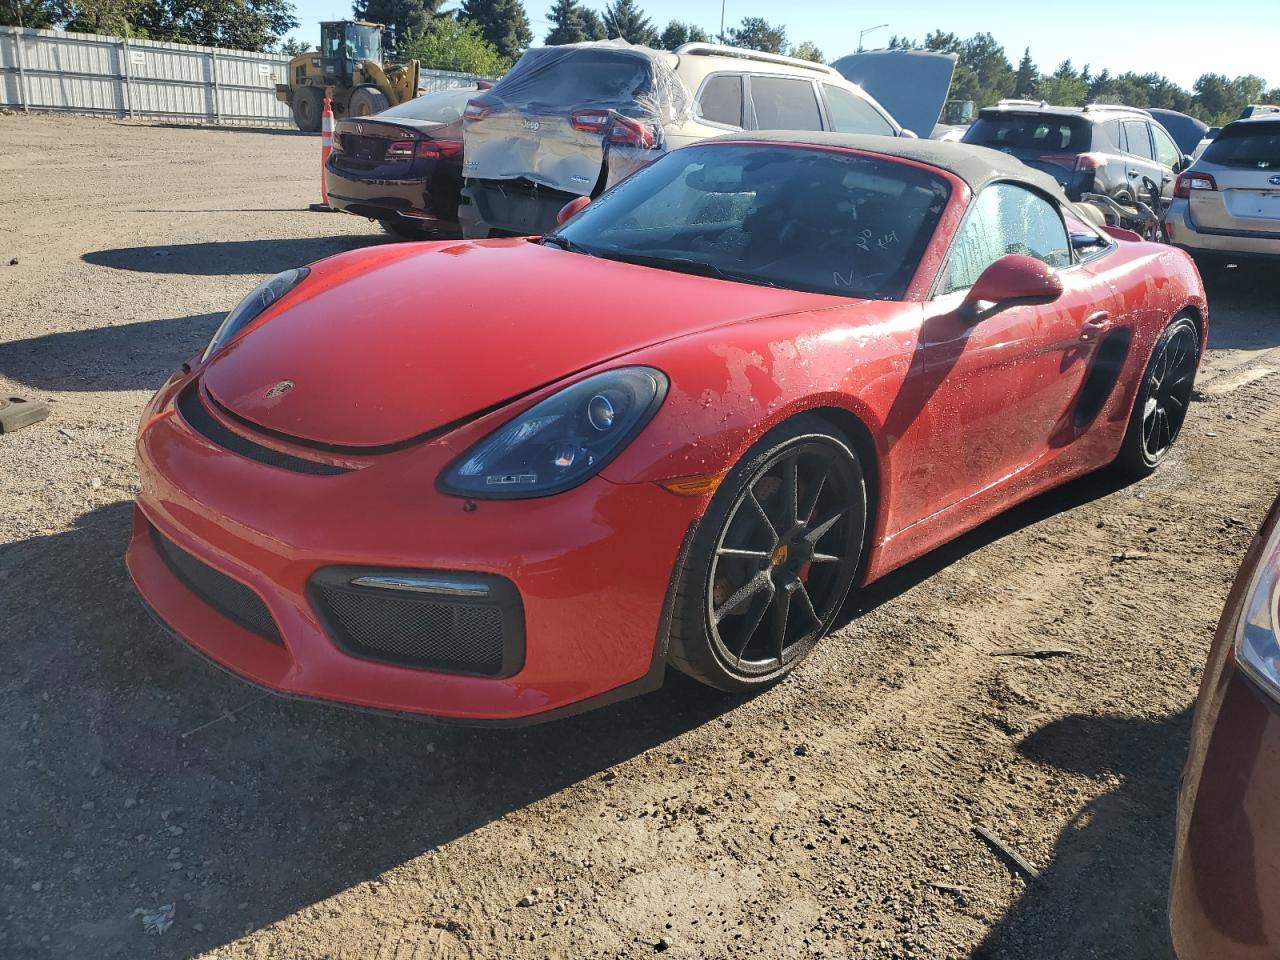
(776, 557)
(1164, 396)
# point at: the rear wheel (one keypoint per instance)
(1163, 398)
(773, 559)
(366, 100)
(307, 103)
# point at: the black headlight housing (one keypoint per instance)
(561, 441)
(259, 299)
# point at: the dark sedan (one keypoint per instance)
(403, 166)
(1225, 903)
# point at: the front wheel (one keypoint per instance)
(366, 101)
(773, 559)
(1164, 395)
(308, 103)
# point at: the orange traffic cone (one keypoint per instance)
(326, 148)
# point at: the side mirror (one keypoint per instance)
(1012, 281)
(572, 209)
(1183, 162)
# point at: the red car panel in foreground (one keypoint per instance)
(1225, 899)
(503, 480)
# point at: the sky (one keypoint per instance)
(1180, 39)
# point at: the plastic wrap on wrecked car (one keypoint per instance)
(526, 130)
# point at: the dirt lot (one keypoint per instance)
(831, 816)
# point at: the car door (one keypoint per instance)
(783, 103)
(984, 401)
(1140, 159)
(1168, 156)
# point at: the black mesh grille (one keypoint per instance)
(203, 422)
(231, 598)
(457, 636)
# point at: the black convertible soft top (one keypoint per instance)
(976, 166)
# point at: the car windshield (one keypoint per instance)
(816, 220)
(1254, 145)
(445, 106)
(1030, 131)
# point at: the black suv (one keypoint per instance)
(1118, 151)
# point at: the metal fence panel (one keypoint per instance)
(87, 73)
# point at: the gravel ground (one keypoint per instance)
(831, 816)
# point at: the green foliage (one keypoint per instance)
(594, 25)
(625, 19)
(36, 14)
(808, 51)
(292, 48)
(504, 23)
(112, 17)
(567, 25)
(446, 43)
(676, 34)
(401, 17)
(756, 33)
(1064, 87)
(238, 24)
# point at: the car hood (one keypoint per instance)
(387, 344)
(911, 84)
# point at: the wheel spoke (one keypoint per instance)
(820, 530)
(753, 621)
(811, 501)
(744, 593)
(744, 554)
(806, 603)
(764, 518)
(790, 492)
(824, 558)
(781, 607)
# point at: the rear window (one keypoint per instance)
(849, 113)
(721, 100)
(1031, 131)
(445, 106)
(552, 77)
(1254, 145)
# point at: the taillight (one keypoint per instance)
(589, 121)
(399, 150)
(631, 133)
(435, 149)
(337, 142)
(1193, 180)
(476, 110)
(1257, 645)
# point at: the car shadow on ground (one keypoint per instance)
(128, 356)
(241, 821)
(1249, 293)
(229, 257)
(1109, 871)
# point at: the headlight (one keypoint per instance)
(260, 297)
(1258, 639)
(560, 442)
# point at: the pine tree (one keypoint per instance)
(677, 34)
(594, 25)
(623, 18)
(1024, 81)
(756, 33)
(401, 16)
(567, 24)
(504, 23)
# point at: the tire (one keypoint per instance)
(365, 101)
(1160, 407)
(308, 103)
(796, 580)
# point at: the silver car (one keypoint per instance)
(569, 121)
(1226, 206)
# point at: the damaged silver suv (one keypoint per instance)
(569, 121)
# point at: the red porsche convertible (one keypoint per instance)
(509, 479)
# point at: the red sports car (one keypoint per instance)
(508, 479)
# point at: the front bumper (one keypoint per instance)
(592, 566)
(1224, 244)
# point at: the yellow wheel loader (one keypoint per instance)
(348, 69)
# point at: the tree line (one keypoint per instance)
(487, 36)
(985, 75)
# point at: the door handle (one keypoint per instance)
(1094, 325)
(1134, 174)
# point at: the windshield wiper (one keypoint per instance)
(688, 265)
(563, 243)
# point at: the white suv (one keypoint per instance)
(570, 121)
